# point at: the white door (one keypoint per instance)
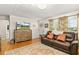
(4, 32)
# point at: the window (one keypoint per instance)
(55, 24)
(72, 23)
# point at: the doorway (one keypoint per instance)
(4, 29)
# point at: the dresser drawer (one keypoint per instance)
(23, 35)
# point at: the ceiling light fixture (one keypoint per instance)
(42, 6)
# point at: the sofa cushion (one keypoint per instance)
(70, 35)
(67, 44)
(62, 43)
(61, 37)
(69, 40)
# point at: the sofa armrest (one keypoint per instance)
(74, 42)
(74, 47)
(42, 36)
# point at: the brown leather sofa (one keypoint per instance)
(70, 46)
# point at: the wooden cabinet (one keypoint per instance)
(22, 35)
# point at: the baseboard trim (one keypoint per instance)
(35, 38)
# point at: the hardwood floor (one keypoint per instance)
(10, 46)
(21, 44)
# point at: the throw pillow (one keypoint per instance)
(61, 37)
(50, 36)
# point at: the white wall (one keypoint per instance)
(3, 28)
(4, 21)
(14, 19)
(43, 30)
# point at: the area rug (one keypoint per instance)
(35, 49)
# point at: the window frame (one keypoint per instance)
(74, 26)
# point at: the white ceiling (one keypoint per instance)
(32, 11)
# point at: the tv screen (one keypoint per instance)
(23, 25)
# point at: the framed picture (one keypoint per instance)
(22, 25)
(46, 25)
(7, 27)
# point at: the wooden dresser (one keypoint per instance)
(22, 35)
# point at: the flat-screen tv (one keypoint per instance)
(22, 25)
